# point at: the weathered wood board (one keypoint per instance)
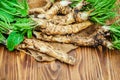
(92, 64)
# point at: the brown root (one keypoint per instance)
(38, 56)
(69, 18)
(80, 5)
(80, 41)
(45, 48)
(61, 24)
(49, 28)
(57, 8)
(96, 39)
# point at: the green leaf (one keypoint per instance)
(23, 24)
(23, 11)
(102, 10)
(5, 6)
(29, 33)
(15, 4)
(14, 18)
(9, 17)
(52, 1)
(2, 39)
(115, 34)
(13, 40)
(74, 2)
(15, 1)
(20, 8)
(4, 27)
(25, 4)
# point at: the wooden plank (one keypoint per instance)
(92, 64)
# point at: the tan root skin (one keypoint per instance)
(42, 47)
(55, 9)
(68, 19)
(49, 28)
(65, 28)
(41, 57)
(80, 41)
(70, 15)
(38, 56)
(96, 38)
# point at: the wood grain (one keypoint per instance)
(92, 64)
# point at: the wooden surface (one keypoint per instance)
(92, 64)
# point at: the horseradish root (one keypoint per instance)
(70, 18)
(42, 47)
(61, 23)
(38, 56)
(51, 29)
(58, 8)
(80, 5)
(95, 39)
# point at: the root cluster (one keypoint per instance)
(57, 22)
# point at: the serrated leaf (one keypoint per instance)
(9, 17)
